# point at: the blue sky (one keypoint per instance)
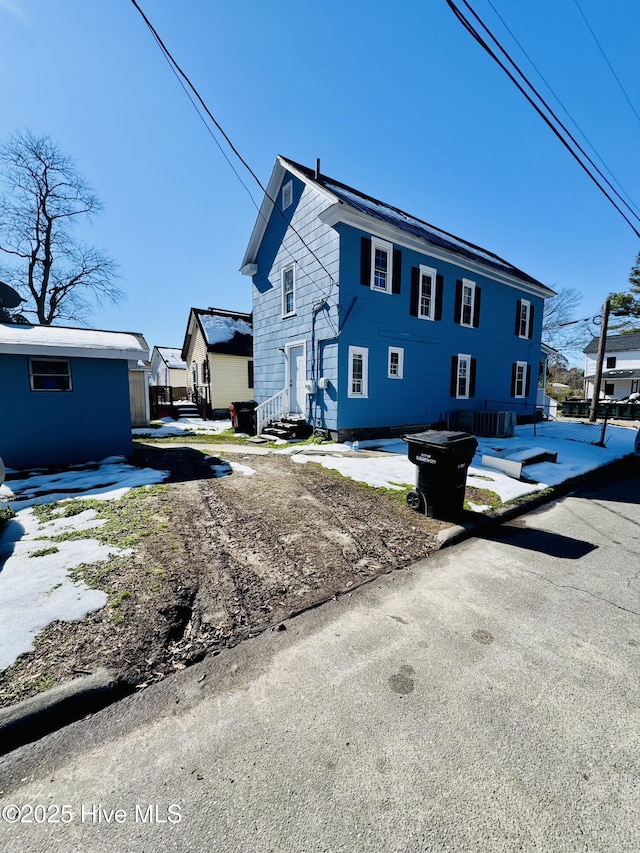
(395, 98)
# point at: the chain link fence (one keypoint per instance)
(540, 421)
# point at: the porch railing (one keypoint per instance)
(272, 409)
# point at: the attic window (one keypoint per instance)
(287, 195)
(50, 374)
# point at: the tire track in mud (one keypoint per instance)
(262, 547)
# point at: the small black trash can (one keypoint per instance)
(243, 416)
(442, 459)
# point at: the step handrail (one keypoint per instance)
(272, 409)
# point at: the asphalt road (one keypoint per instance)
(485, 700)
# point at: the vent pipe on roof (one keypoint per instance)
(317, 168)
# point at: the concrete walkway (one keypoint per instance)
(485, 700)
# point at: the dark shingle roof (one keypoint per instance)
(616, 343)
(394, 216)
(226, 332)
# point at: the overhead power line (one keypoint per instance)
(187, 85)
(549, 117)
(555, 95)
(606, 59)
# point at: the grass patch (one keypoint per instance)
(481, 497)
(6, 514)
(397, 496)
(117, 599)
(44, 552)
(128, 519)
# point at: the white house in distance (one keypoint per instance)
(620, 369)
(169, 370)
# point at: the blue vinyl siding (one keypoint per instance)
(377, 321)
(272, 332)
(90, 422)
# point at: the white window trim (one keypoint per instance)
(463, 357)
(376, 243)
(525, 367)
(285, 269)
(364, 352)
(287, 195)
(524, 303)
(430, 271)
(466, 282)
(400, 353)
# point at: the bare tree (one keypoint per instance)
(560, 328)
(44, 198)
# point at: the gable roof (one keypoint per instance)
(616, 343)
(348, 197)
(71, 342)
(224, 332)
(172, 357)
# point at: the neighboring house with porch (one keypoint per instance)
(620, 368)
(167, 381)
(67, 393)
(368, 320)
(169, 370)
(218, 353)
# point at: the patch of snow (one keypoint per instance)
(238, 468)
(183, 426)
(395, 472)
(37, 590)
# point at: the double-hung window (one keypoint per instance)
(464, 376)
(396, 363)
(524, 318)
(468, 299)
(427, 293)
(358, 372)
(520, 379)
(381, 265)
(50, 374)
(288, 291)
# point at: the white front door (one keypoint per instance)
(297, 370)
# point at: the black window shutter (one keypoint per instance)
(472, 378)
(531, 308)
(518, 313)
(454, 376)
(415, 288)
(250, 374)
(528, 381)
(397, 271)
(514, 369)
(476, 308)
(458, 303)
(439, 291)
(365, 261)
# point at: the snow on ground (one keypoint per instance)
(35, 587)
(184, 427)
(37, 590)
(396, 472)
(108, 480)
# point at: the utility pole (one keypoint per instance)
(602, 342)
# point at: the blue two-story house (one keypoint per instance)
(369, 321)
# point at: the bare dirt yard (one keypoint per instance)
(214, 561)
